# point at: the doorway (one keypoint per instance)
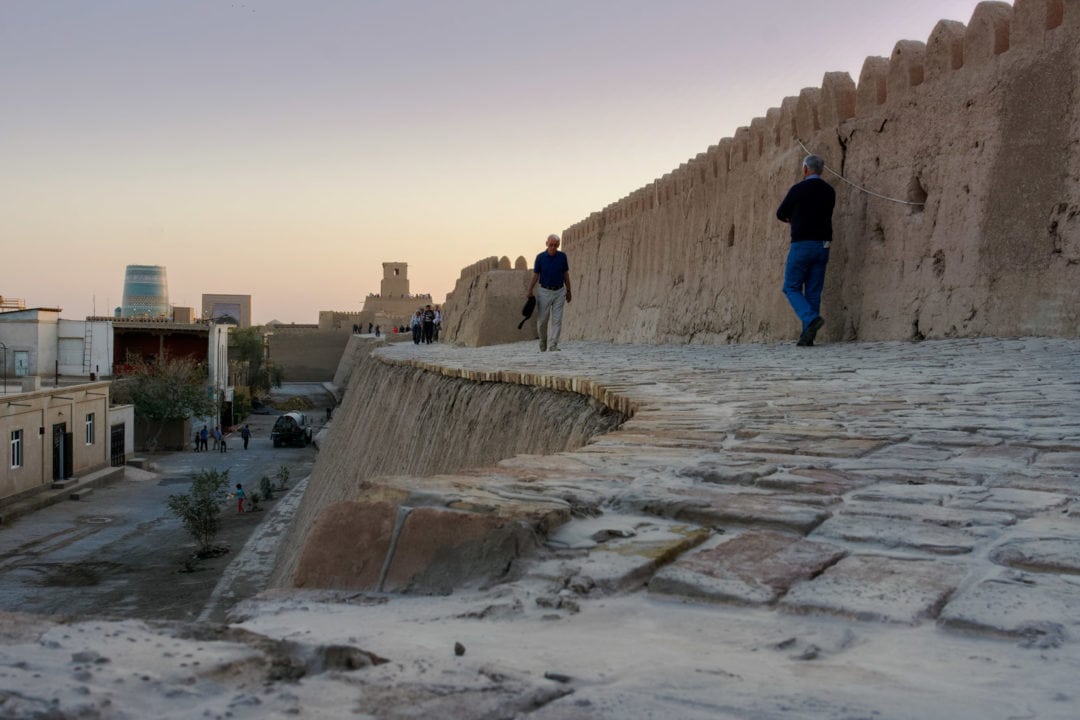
(61, 452)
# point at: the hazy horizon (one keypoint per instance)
(286, 151)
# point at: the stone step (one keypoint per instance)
(81, 493)
(61, 484)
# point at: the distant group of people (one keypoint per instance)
(202, 438)
(425, 324)
(372, 329)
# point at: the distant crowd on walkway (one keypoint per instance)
(424, 326)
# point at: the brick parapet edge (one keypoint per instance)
(582, 386)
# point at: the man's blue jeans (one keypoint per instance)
(804, 278)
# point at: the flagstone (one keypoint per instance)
(755, 567)
(874, 587)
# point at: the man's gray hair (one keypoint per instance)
(554, 237)
(815, 163)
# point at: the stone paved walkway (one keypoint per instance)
(895, 482)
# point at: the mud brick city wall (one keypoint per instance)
(306, 353)
(981, 123)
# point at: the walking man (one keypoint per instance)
(246, 435)
(552, 271)
(808, 208)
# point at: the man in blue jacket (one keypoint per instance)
(808, 208)
(552, 271)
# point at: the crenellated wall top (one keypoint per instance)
(952, 46)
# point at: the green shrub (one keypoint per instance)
(199, 509)
(266, 488)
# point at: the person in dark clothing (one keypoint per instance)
(246, 435)
(808, 208)
(429, 324)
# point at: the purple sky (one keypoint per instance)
(287, 149)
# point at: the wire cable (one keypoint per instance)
(860, 187)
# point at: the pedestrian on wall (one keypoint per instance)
(429, 324)
(417, 325)
(552, 272)
(239, 498)
(808, 208)
(438, 322)
(217, 437)
(245, 434)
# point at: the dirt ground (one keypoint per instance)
(121, 554)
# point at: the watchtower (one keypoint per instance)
(395, 282)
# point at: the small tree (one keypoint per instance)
(164, 390)
(282, 476)
(199, 509)
(266, 487)
(250, 353)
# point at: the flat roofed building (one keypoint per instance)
(227, 308)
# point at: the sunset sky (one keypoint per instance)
(285, 149)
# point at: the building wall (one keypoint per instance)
(74, 355)
(237, 306)
(307, 354)
(981, 124)
(33, 331)
(124, 415)
(35, 414)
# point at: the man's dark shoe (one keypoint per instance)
(811, 331)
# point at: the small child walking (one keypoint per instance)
(239, 497)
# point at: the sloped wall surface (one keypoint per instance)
(399, 420)
(976, 132)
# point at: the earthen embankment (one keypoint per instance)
(403, 421)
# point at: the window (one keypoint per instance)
(90, 428)
(16, 448)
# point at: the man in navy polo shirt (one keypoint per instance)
(808, 208)
(552, 271)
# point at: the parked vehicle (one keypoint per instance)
(292, 428)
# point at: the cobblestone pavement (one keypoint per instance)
(896, 482)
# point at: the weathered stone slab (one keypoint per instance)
(1060, 555)
(998, 456)
(890, 533)
(752, 568)
(817, 481)
(919, 493)
(907, 453)
(1042, 608)
(871, 587)
(623, 556)
(347, 546)
(1023, 503)
(836, 446)
(732, 473)
(718, 508)
(947, 516)
(440, 549)
(957, 438)
(1049, 480)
